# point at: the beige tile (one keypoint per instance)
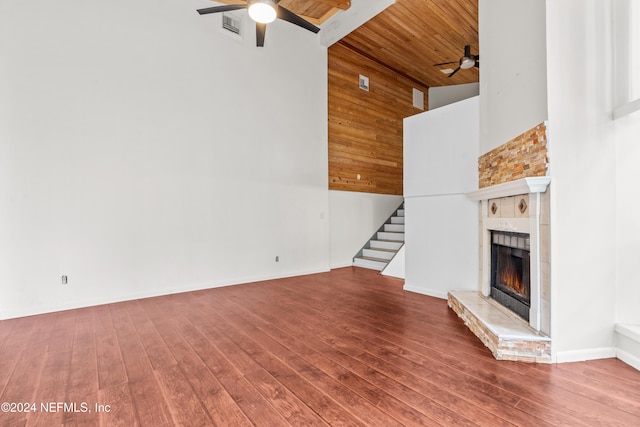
(508, 206)
(545, 280)
(522, 206)
(545, 316)
(545, 248)
(494, 208)
(545, 206)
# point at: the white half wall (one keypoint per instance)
(441, 244)
(513, 85)
(143, 152)
(439, 96)
(441, 223)
(441, 150)
(354, 218)
(396, 267)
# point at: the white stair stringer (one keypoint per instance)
(384, 244)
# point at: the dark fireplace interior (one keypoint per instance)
(510, 271)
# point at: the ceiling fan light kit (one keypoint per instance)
(467, 63)
(262, 11)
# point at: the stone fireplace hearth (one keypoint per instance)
(520, 210)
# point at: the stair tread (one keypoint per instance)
(381, 249)
(387, 240)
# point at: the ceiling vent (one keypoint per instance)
(231, 24)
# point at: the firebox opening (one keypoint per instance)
(510, 281)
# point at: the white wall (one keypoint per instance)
(583, 190)
(441, 229)
(439, 96)
(627, 195)
(513, 83)
(143, 152)
(627, 129)
(354, 217)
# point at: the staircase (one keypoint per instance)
(384, 244)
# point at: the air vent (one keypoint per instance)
(363, 82)
(418, 99)
(231, 24)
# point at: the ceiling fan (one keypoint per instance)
(467, 61)
(263, 12)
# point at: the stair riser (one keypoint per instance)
(394, 227)
(400, 212)
(376, 244)
(390, 236)
(372, 265)
(397, 220)
(378, 254)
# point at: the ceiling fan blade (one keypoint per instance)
(454, 71)
(217, 9)
(445, 63)
(289, 16)
(261, 30)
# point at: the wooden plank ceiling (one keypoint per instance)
(409, 37)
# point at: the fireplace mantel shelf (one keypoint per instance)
(537, 184)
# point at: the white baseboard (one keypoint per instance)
(426, 291)
(628, 344)
(586, 354)
(342, 265)
(628, 358)
(34, 311)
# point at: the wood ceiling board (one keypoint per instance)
(412, 35)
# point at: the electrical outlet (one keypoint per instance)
(277, 258)
(64, 280)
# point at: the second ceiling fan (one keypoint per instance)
(263, 12)
(467, 61)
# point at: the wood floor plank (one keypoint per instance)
(347, 347)
(219, 404)
(51, 388)
(111, 369)
(156, 349)
(82, 385)
(137, 364)
(282, 399)
(150, 406)
(114, 407)
(355, 371)
(445, 398)
(184, 404)
(18, 391)
(253, 404)
(332, 412)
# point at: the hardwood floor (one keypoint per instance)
(345, 348)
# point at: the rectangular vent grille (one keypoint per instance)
(231, 24)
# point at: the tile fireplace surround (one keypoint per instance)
(520, 206)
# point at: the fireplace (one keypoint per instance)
(510, 271)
